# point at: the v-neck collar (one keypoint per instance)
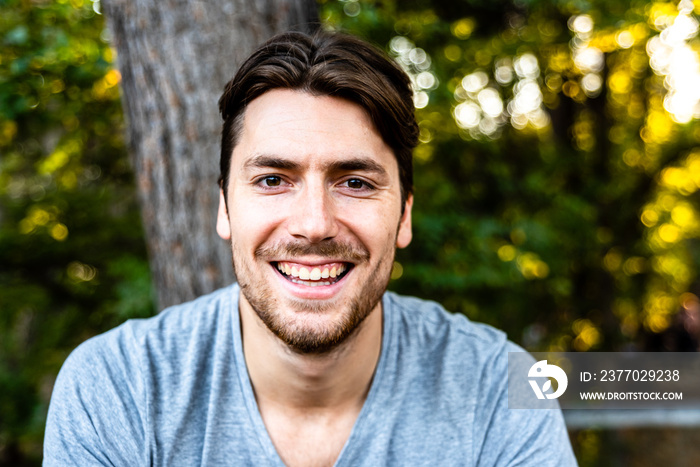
(252, 406)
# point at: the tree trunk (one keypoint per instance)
(175, 56)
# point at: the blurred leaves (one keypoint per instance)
(557, 179)
(72, 256)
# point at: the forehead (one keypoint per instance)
(309, 129)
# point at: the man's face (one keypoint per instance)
(314, 216)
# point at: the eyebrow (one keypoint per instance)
(362, 164)
(263, 161)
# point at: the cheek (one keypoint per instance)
(376, 229)
(254, 222)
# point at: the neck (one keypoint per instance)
(293, 382)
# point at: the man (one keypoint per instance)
(307, 361)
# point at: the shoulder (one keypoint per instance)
(468, 362)
(164, 337)
(120, 354)
(184, 320)
(432, 327)
(163, 333)
(99, 409)
(436, 348)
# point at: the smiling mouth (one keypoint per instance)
(313, 276)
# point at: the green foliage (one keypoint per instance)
(555, 223)
(72, 255)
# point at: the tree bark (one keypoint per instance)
(175, 56)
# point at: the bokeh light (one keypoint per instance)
(673, 57)
(416, 62)
(481, 107)
(589, 60)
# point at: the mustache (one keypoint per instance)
(327, 248)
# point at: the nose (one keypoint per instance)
(312, 216)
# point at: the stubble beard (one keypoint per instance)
(287, 321)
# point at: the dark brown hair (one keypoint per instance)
(330, 64)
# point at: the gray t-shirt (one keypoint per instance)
(174, 390)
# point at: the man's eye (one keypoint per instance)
(357, 184)
(272, 181)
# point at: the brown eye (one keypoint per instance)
(355, 184)
(272, 181)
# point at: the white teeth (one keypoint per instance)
(312, 277)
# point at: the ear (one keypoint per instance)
(223, 226)
(405, 231)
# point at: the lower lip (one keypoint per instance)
(318, 292)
